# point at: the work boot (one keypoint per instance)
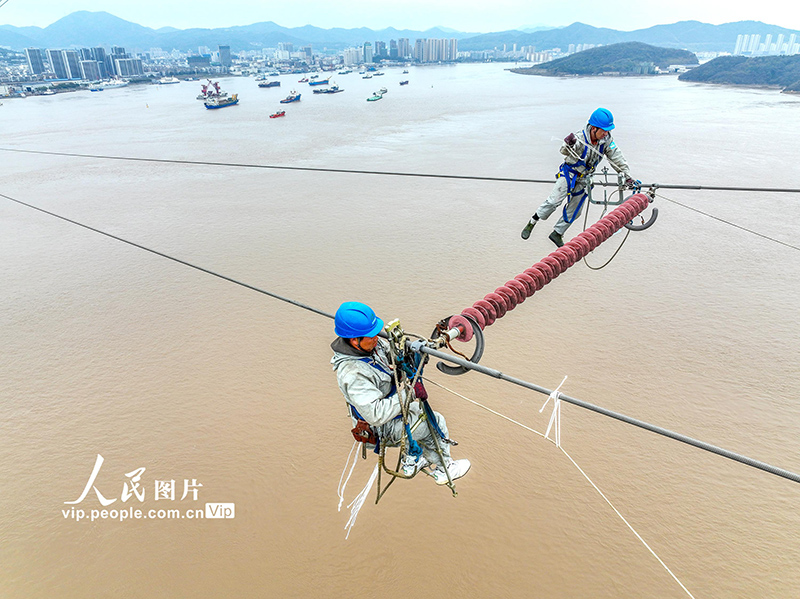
(526, 232)
(456, 468)
(556, 238)
(412, 465)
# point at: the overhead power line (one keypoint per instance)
(383, 173)
(462, 362)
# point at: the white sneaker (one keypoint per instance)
(456, 468)
(412, 464)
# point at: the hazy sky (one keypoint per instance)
(464, 15)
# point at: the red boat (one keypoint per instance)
(277, 114)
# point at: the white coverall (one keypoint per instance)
(369, 390)
(583, 156)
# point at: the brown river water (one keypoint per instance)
(110, 350)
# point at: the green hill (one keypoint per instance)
(783, 71)
(625, 58)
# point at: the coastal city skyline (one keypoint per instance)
(463, 15)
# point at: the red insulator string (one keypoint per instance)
(494, 305)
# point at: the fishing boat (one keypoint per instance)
(221, 101)
(378, 74)
(345, 72)
(320, 81)
(375, 97)
(266, 83)
(404, 83)
(292, 97)
(303, 80)
(367, 76)
(278, 114)
(405, 72)
(168, 80)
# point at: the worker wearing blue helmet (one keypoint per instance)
(583, 151)
(364, 372)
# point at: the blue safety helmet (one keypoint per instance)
(354, 319)
(602, 119)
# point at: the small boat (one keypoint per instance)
(378, 74)
(404, 83)
(278, 114)
(221, 102)
(383, 90)
(320, 82)
(405, 72)
(266, 83)
(168, 80)
(303, 80)
(274, 74)
(314, 76)
(367, 76)
(333, 89)
(114, 83)
(292, 97)
(345, 72)
(375, 98)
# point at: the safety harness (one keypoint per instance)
(571, 173)
(363, 432)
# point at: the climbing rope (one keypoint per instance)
(557, 443)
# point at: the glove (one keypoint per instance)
(632, 183)
(420, 391)
(570, 139)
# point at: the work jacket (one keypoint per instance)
(367, 382)
(584, 156)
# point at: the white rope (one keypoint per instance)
(553, 418)
(359, 501)
(340, 489)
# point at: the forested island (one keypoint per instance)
(780, 71)
(629, 58)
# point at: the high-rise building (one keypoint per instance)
(352, 56)
(403, 48)
(393, 53)
(435, 50)
(58, 64)
(286, 46)
(307, 52)
(128, 67)
(755, 39)
(367, 52)
(380, 50)
(779, 44)
(739, 41)
(225, 56)
(73, 60)
(90, 70)
(35, 60)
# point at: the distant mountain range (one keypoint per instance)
(687, 35)
(87, 29)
